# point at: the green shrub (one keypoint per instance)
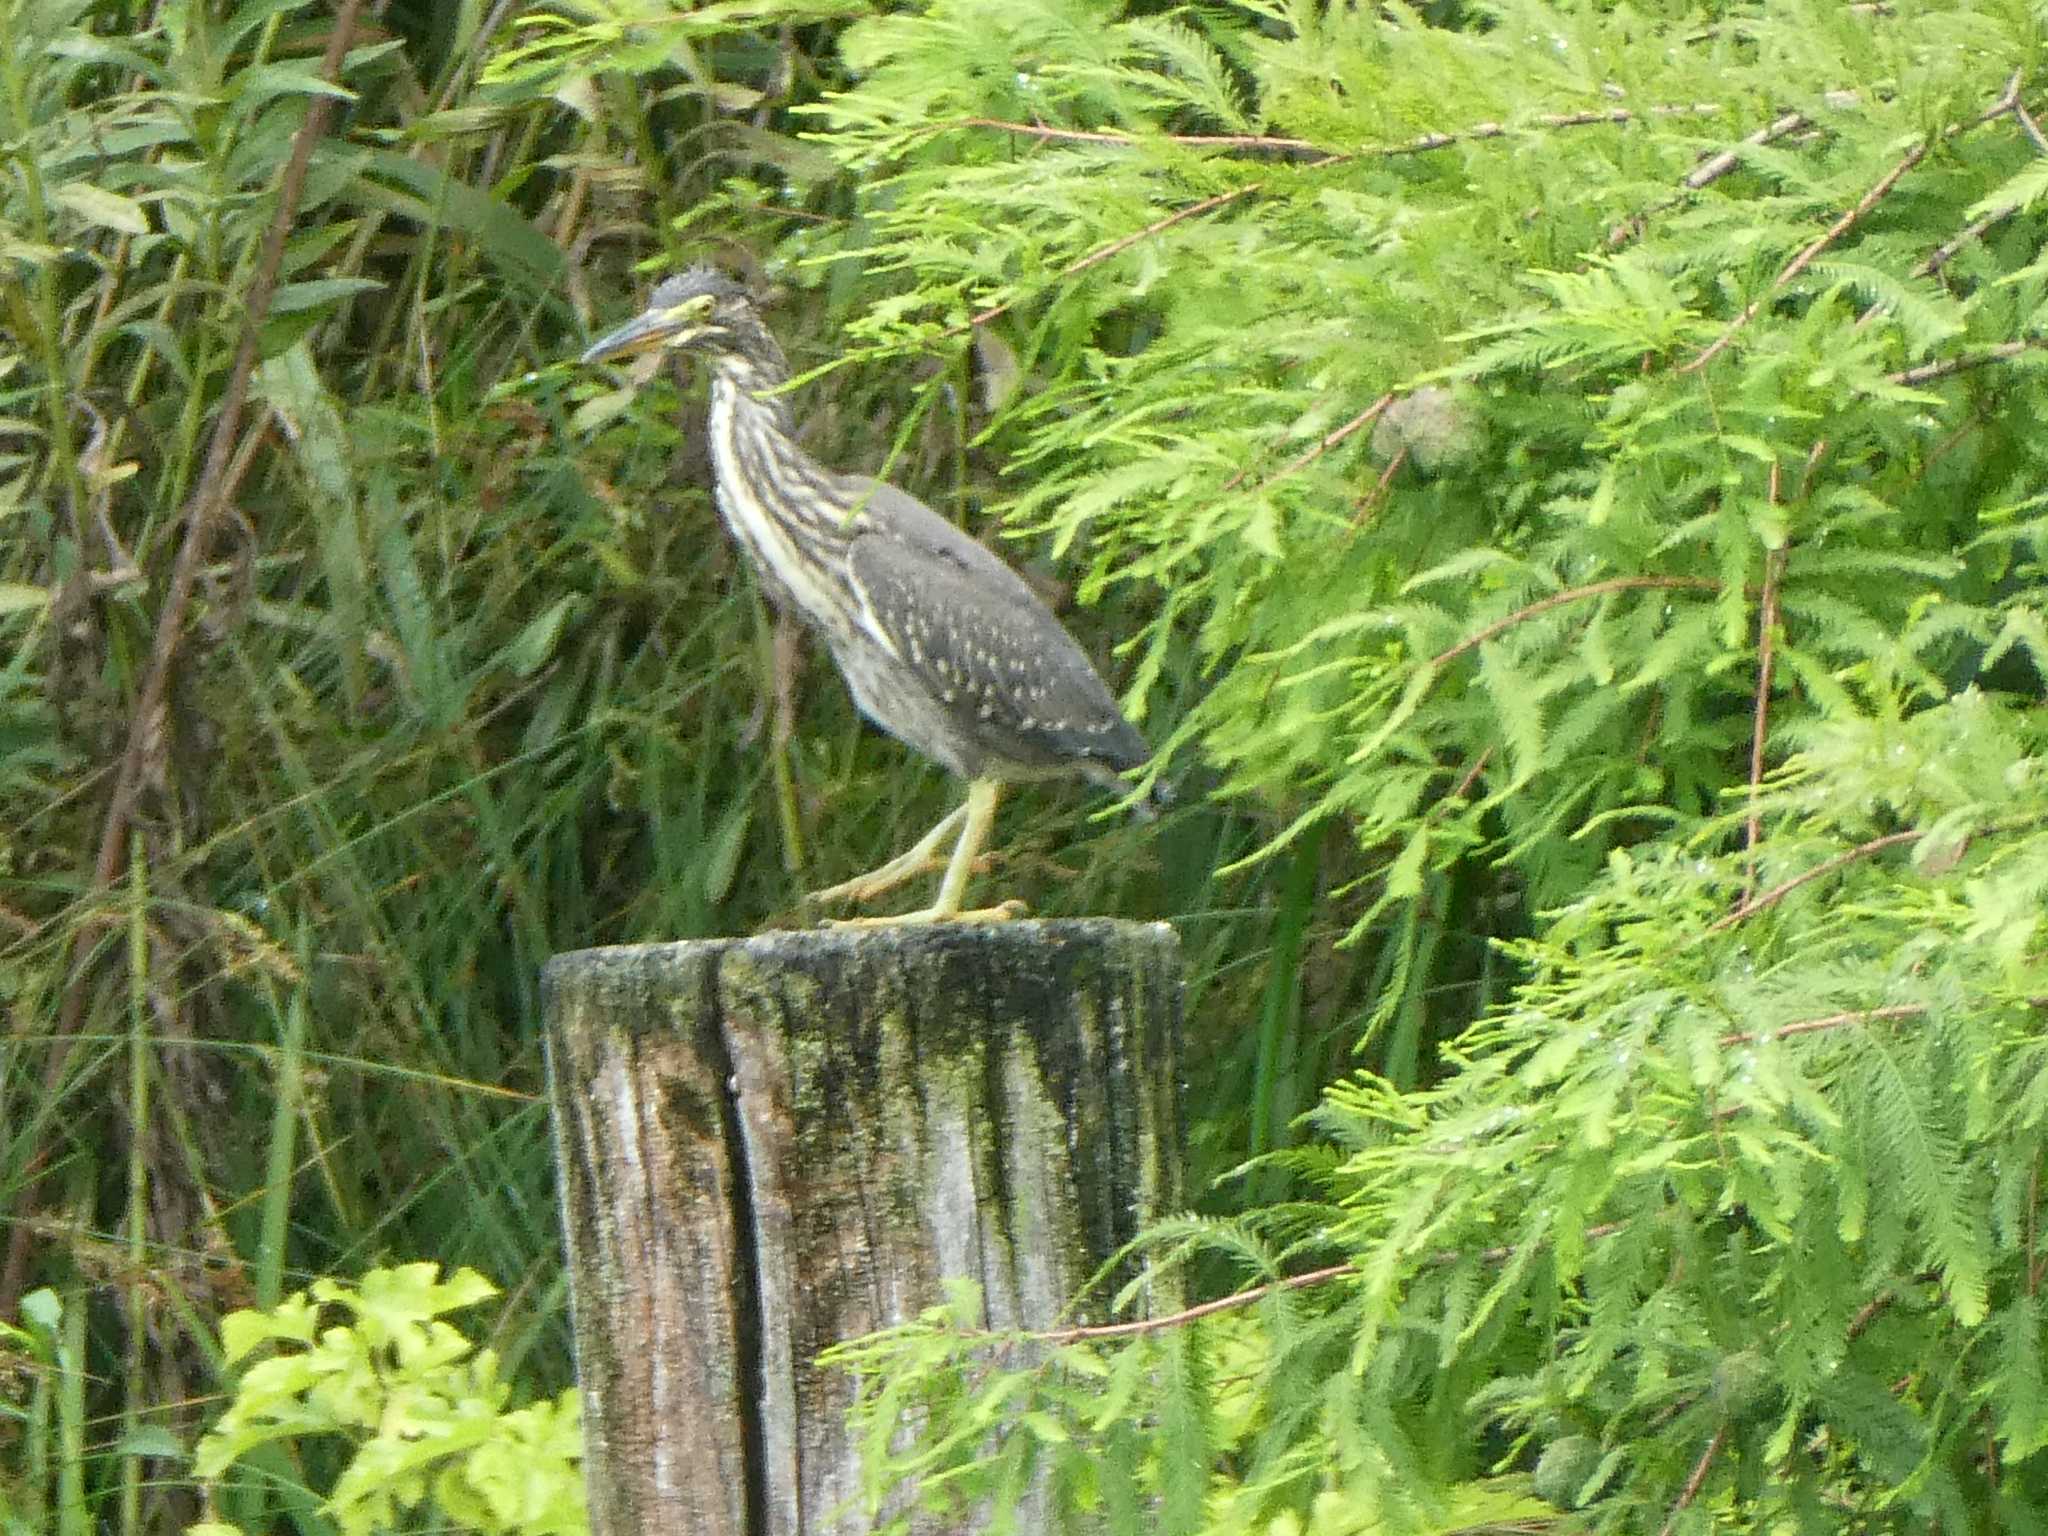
(428, 1441)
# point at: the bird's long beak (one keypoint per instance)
(652, 329)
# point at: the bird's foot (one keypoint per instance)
(1008, 911)
(907, 865)
(876, 882)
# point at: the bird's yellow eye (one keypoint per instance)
(689, 311)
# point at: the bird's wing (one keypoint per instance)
(901, 514)
(957, 614)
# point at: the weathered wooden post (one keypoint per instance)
(770, 1145)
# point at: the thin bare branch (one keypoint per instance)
(1826, 1022)
(1471, 776)
(1616, 117)
(1574, 595)
(1422, 144)
(1047, 134)
(2033, 129)
(1826, 867)
(1328, 441)
(1378, 493)
(1693, 1484)
(1811, 253)
(1944, 254)
(1245, 1298)
(1941, 370)
(1119, 245)
(1709, 171)
(1193, 1314)
(2008, 102)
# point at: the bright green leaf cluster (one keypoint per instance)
(422, 1409)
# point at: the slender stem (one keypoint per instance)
(1826, 1022)
(1195, 1314)
(1778, 893)
(1693, 1484)
(1811, 253)
(1941, 370)
(135, 1384)
(1123, 243)
(1421, 144)
(1574, 595)
(1328, 441)
(1766, 633)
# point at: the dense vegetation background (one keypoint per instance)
(1561, 478)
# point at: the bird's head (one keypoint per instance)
(701, 310)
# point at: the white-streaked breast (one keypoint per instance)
(740, 422)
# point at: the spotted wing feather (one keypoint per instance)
(993, 655)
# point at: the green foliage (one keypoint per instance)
(1565, 474)
(1746, 1207)
(1679, 468)
(431, 1443)
(43, 1403)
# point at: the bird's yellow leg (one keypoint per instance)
(907, 865)
(980, 814)
(982, 796)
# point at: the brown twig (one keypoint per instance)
(1616, 116)
(1115, 247)
(1829, 1021)
(1245, 1298)
(1867, 1314)
(1377, 494)
(2008, 102)
(1329, 440)
(2026, 118)
(1186, 1315)
(1471, 776)
(1047, 134)
(1806, 257)
(1943, 254)
(1421, 144)
(1778, 893)
(1574, 595)
(216, 485)
(1941, 370)
(1766, 629)
(1709, 171)
(1693, 1484)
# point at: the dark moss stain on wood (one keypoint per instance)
(822, 1127)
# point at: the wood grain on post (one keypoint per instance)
(771, 1145)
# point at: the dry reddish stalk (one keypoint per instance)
(1574, 595)
(1691, 1490)
(1778, 893)
(226, 458)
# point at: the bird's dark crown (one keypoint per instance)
(714, 315)
(700, 282)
